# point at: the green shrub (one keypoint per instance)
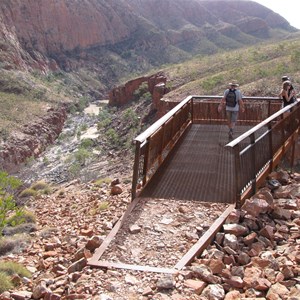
(20, 217)
(112, 137)
(86, 143)
(47, 191)
(295, 57)
(7, 245)
(46, 160)
(101, 181)
(82, 104)
(101, 207)
(28, 193)
(29, 160)
(143, 88)
(81, 155)
(148, 97)
(83, 127)
(4, 134)
(130, 118)
(74, 169)
(105, 118)
(7, 203)
(212, 82)
(5, 283)
(11, 268)
(39, 185)
(61, 192)
(7, 269)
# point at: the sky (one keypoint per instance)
(289, 9)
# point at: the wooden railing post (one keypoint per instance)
(192, 110)
(146, 159)
(253, 165)
(271, 152)
(238, 174)
(136, 167)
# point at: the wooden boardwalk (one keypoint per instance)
(199, 167)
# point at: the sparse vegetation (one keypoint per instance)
(130, 118)
(8, 185)
(5, 282)
(12, 243)
(29, 192)
(101, 181)
(39, 185)
(7, 270)
(74, 169)
(81, 155)
(11, 268)
(249, 66)
(20, 217)
(101, 207)
(105, 118)
(86, 143)
(112, 137)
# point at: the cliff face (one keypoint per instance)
(51, 26)
(33, 139)
(47, 29)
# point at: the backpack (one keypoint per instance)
(231, 98)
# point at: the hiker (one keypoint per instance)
(287, 93)
(291, 94)
(233, 100)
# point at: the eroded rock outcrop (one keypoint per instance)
(34, 138)
(156, 85)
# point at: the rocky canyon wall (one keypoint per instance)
(33, 140)
(47, 29)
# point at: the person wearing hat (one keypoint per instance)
(233, 100)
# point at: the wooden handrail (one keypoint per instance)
(261, 125)
(156, 142)
(154, 127)
(286, 127)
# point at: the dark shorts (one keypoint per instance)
(232, 116)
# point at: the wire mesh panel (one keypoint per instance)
(254, 157)
(205, 111)
(199, 167)
(155, 147)
(258, 151)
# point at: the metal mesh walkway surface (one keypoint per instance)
(198, 168)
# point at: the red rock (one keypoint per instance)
(49, 254)
(196, 285)
(268, 232)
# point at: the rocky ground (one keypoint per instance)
(255, 255)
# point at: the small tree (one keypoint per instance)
(8, 184)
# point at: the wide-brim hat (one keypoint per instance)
(233, 83)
